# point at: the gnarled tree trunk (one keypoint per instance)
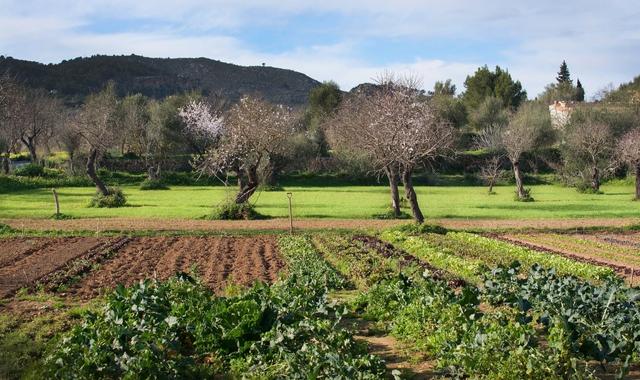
(153, 173)
(392, 175)
(72, 169)
(249, 187)
(30, 143)
(410, 193)
(519, 184)
(595, 179)
(91, 172)
(6, 164)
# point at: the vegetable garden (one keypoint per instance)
(451, 304)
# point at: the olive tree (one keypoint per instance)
(97, 125)
(628, 150)
(527, 129)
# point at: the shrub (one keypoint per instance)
(30, 170)
(389, 214)
(230, 210)
(527, 196)
(153, 184)
(14, 183)
(586, 188)
(115, 199)
(423, 228)
(5, 228)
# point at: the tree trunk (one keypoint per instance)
(595, 180)
(91, 172)
(72, 169)
(410, 193)
(29, 142)
(519, 184)
(638, 181)
(392, 175)
(247, 190)
(6, 164)
(270, 174)
(491, 183)
(151, 173)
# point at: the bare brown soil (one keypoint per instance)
(219, 261)
(54, 262)
(128, 224)
(22, 267)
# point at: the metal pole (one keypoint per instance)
(55, 198)
(289, 195)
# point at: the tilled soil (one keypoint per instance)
(23, 261)
(219, 261)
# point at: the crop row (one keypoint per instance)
(180, 329)
(584, 320)
(578, 322)
(450, 327)
(468, 255)
(466, 268)
(585, 247)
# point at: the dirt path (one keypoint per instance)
(129, 224)
(218, 260)
(391, 351)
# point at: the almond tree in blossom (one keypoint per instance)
(397, 129)
(252, 131)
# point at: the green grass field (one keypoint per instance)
(340, 202)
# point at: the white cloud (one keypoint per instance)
(599, 40)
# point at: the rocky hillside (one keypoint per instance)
(160, 77)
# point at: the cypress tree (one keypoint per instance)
(563, 74)
(579, 92)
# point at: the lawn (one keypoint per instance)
(339, 202)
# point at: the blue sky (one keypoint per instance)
(347, 41)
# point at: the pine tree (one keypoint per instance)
(579, 92)
(563, 74)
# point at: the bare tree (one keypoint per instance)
(253, 131)
(397, 129)
(490, 139)
(590, 144)
(629, 152)
(491, 172)
(69, 138)
(39, 114)
(96, 125)
(526, 130)
(11, 100)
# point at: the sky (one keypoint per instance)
(350, 42)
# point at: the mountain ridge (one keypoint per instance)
(75, 78)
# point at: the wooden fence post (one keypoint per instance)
(55, 199)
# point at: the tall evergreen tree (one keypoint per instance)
(579, 92)
(563, 74)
